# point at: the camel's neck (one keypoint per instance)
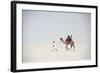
(62, 40)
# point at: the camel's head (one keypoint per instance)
(61, 38)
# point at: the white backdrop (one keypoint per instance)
(5, 36)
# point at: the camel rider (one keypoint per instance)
(69, 38)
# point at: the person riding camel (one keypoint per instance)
(69, 39)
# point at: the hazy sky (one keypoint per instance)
(46, 26)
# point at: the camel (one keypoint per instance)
(68, 43)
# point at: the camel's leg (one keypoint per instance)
(66, 48)
(74, 47)
(70, 47)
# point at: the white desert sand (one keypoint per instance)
(37, 53)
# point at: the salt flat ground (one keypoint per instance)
(37, 53)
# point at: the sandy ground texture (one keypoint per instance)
(37, 53)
